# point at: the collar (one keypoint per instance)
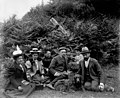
(88, 60)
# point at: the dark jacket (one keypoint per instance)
(18, 75)
(95, 70)
(47, 61)
(58, 64)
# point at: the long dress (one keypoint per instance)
(36, 71)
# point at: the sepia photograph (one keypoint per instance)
(59, 49)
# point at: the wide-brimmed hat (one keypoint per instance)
(35, 50)
(85, 50)
(62, 48)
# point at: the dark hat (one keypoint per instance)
(85, 50)
(35, 50)
(62, 48)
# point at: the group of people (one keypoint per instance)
(48, 70)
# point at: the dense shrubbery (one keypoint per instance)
(97, 31)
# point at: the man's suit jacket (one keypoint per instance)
(58, 64)
(20, 72)
(95, 70)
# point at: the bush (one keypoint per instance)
(98, 32)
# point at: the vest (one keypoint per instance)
(87, 74)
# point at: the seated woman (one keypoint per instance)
(16, 70)
(18, 78)
(16, 74)
(35, 69)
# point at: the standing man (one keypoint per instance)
(58, 67)
(90, 71)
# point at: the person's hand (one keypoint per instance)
(101, 86)
(25, 82)
(68, 72)
(57, 74)
(20, 88)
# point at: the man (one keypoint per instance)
(47, 59)
(90, 71)
(58, 67)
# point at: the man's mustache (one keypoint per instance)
(85, 59)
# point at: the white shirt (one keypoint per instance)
(21, 67)
(87, 63)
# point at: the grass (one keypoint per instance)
(112, 80)
(112, 74)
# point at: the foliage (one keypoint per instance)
(20, 32)
(96, 31)
(101, 37)
(110, 7)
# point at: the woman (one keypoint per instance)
(35, 69)
(16, 73)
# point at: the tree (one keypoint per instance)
(84, 24)
(110, 7)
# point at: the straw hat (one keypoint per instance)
(35, 50)
(62, 48)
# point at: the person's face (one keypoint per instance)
(48, 54)
(77, 52)
(20, 60)
(69, 54)
(62, 52)
(35, 56)
(86, 56)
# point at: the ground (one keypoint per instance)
(112, 79)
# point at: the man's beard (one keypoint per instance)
(86, 59)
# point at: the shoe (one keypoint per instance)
(71, 91)
(50, 86)
(63, 92)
